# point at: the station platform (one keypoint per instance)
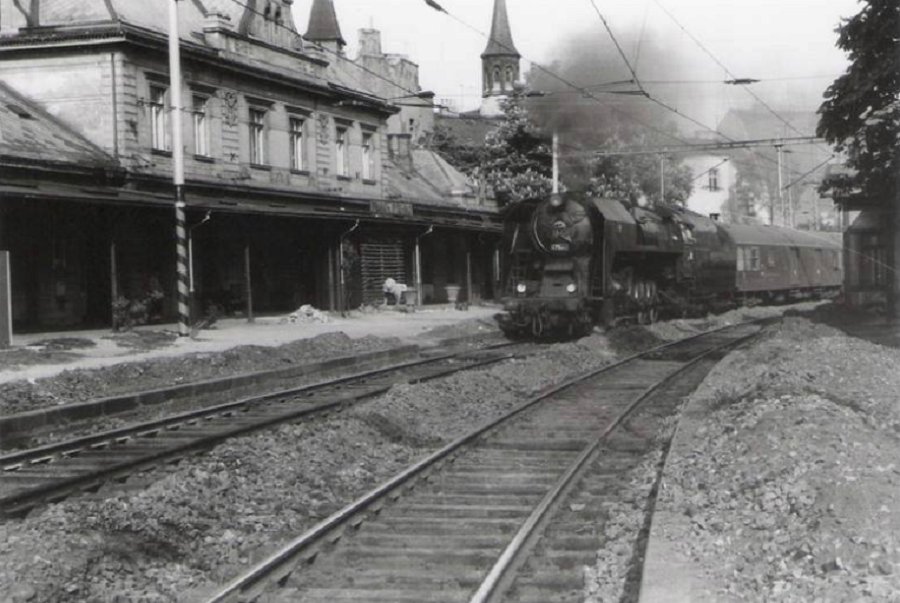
(424, 327)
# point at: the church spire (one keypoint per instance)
(499, 63)
(323, 24)
(500, 42)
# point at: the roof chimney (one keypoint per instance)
(370, 42)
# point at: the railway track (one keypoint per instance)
(483, 518)
(50, 473)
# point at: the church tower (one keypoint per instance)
(499, 63)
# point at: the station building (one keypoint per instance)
(304, 179)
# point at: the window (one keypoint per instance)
(498, 80)
(258, 136)
(368, 156)
(753, 261)
(714, 179)
(201, 126)
(509, 77)
(158, 125)
(298, 162)
(740, 259)
(340, 152)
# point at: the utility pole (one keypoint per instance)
(181, 259)
(555, 163)
(780, 188)
(662, 179)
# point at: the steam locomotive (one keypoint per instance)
(578, 262)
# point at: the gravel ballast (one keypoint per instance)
(213, 516)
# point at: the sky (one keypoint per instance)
(791, 43)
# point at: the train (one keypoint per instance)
(576, 262)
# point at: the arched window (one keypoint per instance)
(509, 77)
(487, 80)
(498, 80)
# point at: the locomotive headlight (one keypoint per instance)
(521, 288)
(571, 287)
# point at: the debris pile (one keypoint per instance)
(787, 486)
(306, 313)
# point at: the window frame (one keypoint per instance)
(297, 140)
(201, 130)
(754, 261)
(159, 117)
(342, 150)
(714, 180)
(368, 155)
(258, 134)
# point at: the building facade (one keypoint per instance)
(291, 167)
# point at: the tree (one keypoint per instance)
(633, 177)
(861, 117)
(465, 157)
(518, 162)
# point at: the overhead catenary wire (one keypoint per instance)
(540, 67)
(587, 94)
(809, 173)
(715, 167)
(612, 36)
(726, 70)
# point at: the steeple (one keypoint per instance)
(499, 63)
(500, 42)
(323, 25)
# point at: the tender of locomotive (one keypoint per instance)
(574, 263)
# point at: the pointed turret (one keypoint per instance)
(500, 63)
(500, 43)
(323, 25)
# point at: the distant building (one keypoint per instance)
(714, 178)
(288, 151)
(747, 184)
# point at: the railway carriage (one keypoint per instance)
(576, 262)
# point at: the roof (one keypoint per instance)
(468, 130)
(430, 180)
(153, 15)
(500, 43)
(323, 23)
(28, 132)
(746, 234)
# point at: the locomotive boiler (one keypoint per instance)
(575, 262)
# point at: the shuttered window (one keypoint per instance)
(382, 258)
